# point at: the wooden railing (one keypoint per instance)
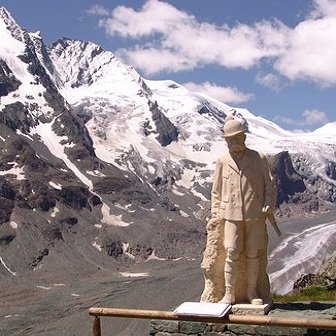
(228, 319)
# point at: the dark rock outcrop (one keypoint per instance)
(7, 197)
(6, 239)
(213, 112)
(325, 277)
(141, 251)
(113, 248)
(41, 254)
(16, 116)
(331, 170)
(167, 132)
(287, 180)
(8, 82)
(76, 197)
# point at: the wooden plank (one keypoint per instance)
(229, 319)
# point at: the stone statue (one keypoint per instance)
(243, 195)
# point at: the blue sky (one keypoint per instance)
(273, 57)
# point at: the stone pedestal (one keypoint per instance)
(250, 309)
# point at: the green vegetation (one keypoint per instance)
(313, 293)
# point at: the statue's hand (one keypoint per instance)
(267, 210)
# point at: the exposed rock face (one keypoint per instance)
(325, 277)
(212, 112)
(322, 186)
(287, 180)
(8, 82)
(7, 196)
(331, 170)
(113, 249)
(300, 189)
(167, 132)
(17, 116)
(67, 48)
(41, 254)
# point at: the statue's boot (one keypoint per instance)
(230, 273)
(252, 277)
(229, 296)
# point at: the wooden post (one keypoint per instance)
(96, 329)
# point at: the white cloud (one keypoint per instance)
(323, 8)
(313, 117)
(311, 52)
(169, 39)
(310, 117)
(180, 35)
(98, 10)
(152, 60)
(285, 120)
(154, 17)
(225, 94)
(269, 80)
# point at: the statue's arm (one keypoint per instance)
(216, 192)
(270, 189)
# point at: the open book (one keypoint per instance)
(205, 309)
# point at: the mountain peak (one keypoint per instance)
(16, 31)
(83, 64)
(327, 129)
(4, 14)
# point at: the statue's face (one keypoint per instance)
(236, 143)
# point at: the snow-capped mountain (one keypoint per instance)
(96, 161)
(165, 125)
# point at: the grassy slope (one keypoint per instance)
(312, 293)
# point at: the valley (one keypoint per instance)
(55, 303)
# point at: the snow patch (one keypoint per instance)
(54, 213)
(133, 275)
(95, 173)
(53, 142)
(97, 246)
(183, 214)
(125, 247)
(55, 186)
(110, 219)
(15, 315)
(17, 171)
(154, 257)
(13, 225)
(43, 287)
(6, 267)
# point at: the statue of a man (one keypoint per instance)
(243, 195)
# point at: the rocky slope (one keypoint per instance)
(324, 277)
